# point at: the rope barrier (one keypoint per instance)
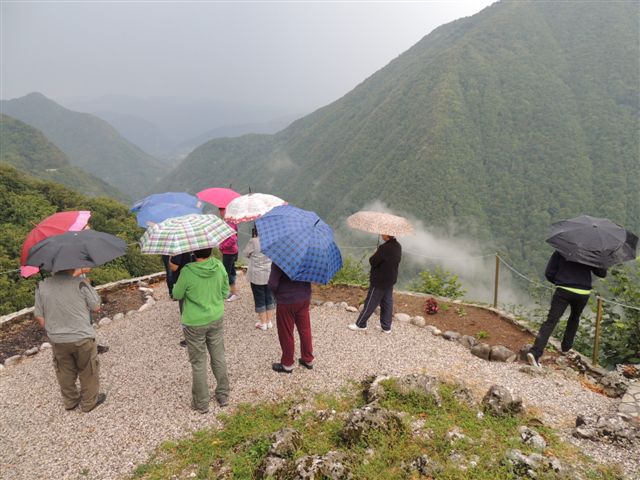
(522, 275)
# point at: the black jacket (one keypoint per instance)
(384, 264)
(564, 273)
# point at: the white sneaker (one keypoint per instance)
(261, 326)
(355, 327)
(232, 297)
(269, 325)
(385, 331)
(532, 360)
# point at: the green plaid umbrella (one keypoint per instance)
(185, 234)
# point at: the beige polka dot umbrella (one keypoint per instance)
(381, 223)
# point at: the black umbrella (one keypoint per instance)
(86, 248)
(593, 241)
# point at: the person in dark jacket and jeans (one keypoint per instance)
(292, 309)
(383, 276)
(573, 281)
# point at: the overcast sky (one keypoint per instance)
(297, 55)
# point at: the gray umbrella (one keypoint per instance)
(86, 248)
(593, 241)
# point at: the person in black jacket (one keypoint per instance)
(573, 281)
(383, 276)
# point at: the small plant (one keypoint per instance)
(461, 311)
(431, 306)
(351, 273)
(439, 282)
(481, 334)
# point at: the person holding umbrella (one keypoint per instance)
(63, 306)
(258, 272)
(384, 265)
(229, 250)
(584, 245)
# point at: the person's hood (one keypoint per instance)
(205, 269)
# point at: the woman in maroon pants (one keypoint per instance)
(292, 310)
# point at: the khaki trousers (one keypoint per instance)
(77, 360)
(200, 340)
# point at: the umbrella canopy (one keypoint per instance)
(220, 197)
(174, 198)
(151, 213)
(247, 208)
(185, 234)
(593, 241)
(300, 243)
(86, 248)
(381, 223)
(55, 224)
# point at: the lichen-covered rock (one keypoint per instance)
(104, 321)
(118, 316)
(351, 309)
(531, 466)
(467, 341)
(533, 371)
(463, 394)
(422, 384)
(371, 418)
(376, 391)
(31, 352)
(481, 350)
(401, 317)
(275, 468)
(614, 428)
(331, 465)
(285, 442)
(532, 438)
(500, 402)
(614, 384)
(418, 321)
(500, 353)
(423, 465)
(16, 359)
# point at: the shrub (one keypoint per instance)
(439, 282)
(351, 273)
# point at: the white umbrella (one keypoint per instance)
(380, 223)
(247, 208)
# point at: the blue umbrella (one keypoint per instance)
(151, 214)
(300, 243)
(176, 198)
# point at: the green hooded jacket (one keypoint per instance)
(203, 286)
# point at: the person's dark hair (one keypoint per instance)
(203, 253)
(254, 231)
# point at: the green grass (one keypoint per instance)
(241, 444)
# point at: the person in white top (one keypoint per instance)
(258, 273)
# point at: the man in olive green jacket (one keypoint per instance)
(203, 285)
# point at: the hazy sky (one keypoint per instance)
(298, 55)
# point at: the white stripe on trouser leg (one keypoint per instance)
(366, 306)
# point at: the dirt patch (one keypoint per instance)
(23, 334)
(485, 326)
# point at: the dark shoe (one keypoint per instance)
(222, 401)
(102, 349)
(99, 401)
(183, 343)
(308, 366)
(278, 367)
(68, 409)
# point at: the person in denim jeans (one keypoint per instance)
(203, 285)
(258, 274)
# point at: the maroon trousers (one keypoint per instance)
(288, 316)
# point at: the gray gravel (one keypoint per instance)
(147, 377)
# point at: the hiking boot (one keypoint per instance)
(99, 401)
(183, 343)
(278, 367)
(222, 401)
(355, 327)
(307, 365)
(533, 361)
(102, 349)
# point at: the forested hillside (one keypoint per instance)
(25, 201)
(27, 149)
(89, 142)
(501, 123)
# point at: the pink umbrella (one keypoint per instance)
(56, 224)
(220, 197)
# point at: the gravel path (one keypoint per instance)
(148, 381)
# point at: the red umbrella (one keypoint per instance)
(220, 197)
(56, 224)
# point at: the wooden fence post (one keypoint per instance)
(596, 340)
(495, 286)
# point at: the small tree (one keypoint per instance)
(439, 282)
(351, 273)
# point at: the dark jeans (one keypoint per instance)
(229, 262)
(262, 298)
(561, 300)
(377, 296)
